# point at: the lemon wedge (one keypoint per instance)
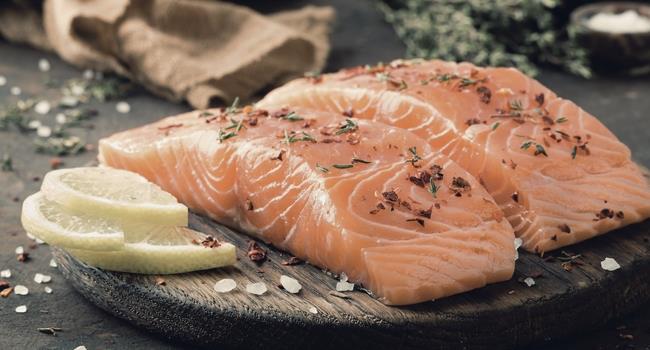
(166, 250)
(50, 222)
(113, 194)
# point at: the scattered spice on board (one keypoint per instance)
(292, 261)
(256, 253)
(210, 242)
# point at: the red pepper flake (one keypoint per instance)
(249, 205)
(436, 172)
(473, 121)
(390, 196)
(548, 120)
(349, 112)
(330, 140)
(292, 261)
(256, 253)
(418, 220)
(425, 213)
(620, 215)
(23, 257)
(6, 292)
(540, 99)
(56, 162)
(279, 156)
(4, 285)
(353, 139)
(484, 93)
(252, 121)
(459, 186)
(210, 242)
(380, 206)
(406, 205)
(565, 228)
(422, 178)
(604, 213)
(282, 112)
(515, 196)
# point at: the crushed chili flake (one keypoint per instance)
(380, 206)
(349, 112)
(279, 156)
(548, 120)
(473, 121)
(425, 213)
(390, 196)
(620, 215)
(421, 178)
(256, 253)
(418, 220)
(282, 112)
(210, 242)
(565, 228)
(23, 257)
(437, 205)
(515, 197)
(167, 128)
(406, 205)
(249, 205)
(605, 213)
(292, 261)
(539, 99)
(484, 93)
(56, 162)
(459, 185)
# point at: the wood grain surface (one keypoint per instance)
(503, 315)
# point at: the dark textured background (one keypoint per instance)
(360, 36)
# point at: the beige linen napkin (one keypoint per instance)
(202, 51)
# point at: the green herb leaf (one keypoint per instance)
(358, 160)
(292, 117)
(342, 166)
(322, 168)
(234, 107)
(433, 188)
(495, 126)
(574, 152)
(561, 120)
(224, 136)
(526, 145)
(349, 126)
(539, 149)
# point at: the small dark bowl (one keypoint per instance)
(613, 51)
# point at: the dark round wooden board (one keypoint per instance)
(503, 315)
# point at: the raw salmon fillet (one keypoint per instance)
(559, 175)
(353, 196)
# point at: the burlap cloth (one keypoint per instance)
(202, 51)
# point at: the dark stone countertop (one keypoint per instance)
(360, 37)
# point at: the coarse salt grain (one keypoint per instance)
(289, 284)
(68, 101)
(19, 250)
(88, 74)
(42, 107)
(53, 263)
(15, 90)
(41, 278)
(43, 65)
(343, 286)
(225, 285)
(44, 131)
(123, 107)
(5, 273)
(258, 288)
(21, 309)
(529, 281)
(313, 310)
(3, 80)
(80, 347)
(77, 90)
(21, 290)
(518, 243)
(33, 124)
(60, 118)
(48, 290)
(609, 264)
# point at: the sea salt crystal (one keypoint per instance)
(43, 65)
(60, 118)
(5, 273)
(289, 284)
(48, 290)
(629, 21)
(258, 288)
(19, 250)
(529, 281)
(53, 263)
(77, 89)
(123, 107)
(313, 310)
(80, 347)
(21, 290)
(3, 80)
(41, 278)
(225, 285)
(15, 90)
(42, 107)
(88, 74)
(343, 286)
(610, 264)
(68, 101)
(518, 243)
(44, 131)
(21, 309)
(33, 124)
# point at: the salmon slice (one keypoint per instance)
(353, 196)
(559, 175)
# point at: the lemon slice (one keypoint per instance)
(165, 250)
(113, 194)
(50, 222)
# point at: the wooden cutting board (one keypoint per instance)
(503, 315)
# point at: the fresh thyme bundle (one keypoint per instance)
(518, 33)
